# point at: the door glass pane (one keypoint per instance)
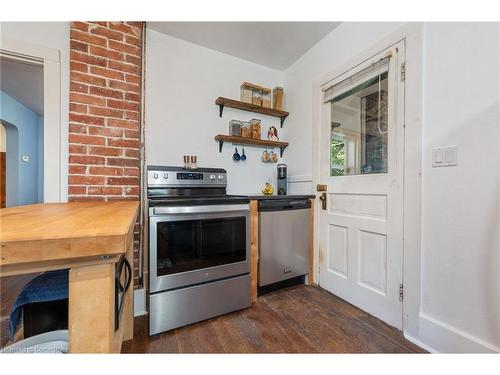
(358, 136)
(195, 244)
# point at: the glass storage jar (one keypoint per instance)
(255, 126)
(235, 128)
(257, 97)
(246, 130)
(278, 98)
(266, 98)
(246, 93)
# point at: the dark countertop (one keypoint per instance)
(264, 197)
(204, 200)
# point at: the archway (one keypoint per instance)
(11, 163)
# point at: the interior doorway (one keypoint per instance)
(22, 120)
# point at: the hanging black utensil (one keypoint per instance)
(243, 156)
(236, 155)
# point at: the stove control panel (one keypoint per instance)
(175, 176)
(190, 176)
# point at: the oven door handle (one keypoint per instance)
(200, 209)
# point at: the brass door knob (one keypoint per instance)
(322, 198)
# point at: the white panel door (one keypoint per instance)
(361, 163)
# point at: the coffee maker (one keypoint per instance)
(282, 180)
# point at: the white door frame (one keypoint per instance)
(412, 33)
(53, 141)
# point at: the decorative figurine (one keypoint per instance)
(272, 134)
(268, 189)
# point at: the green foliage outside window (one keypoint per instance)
(337, 157)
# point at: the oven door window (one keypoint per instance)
(195, 244)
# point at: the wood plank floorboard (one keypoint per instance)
(10, 287)
(300, 319)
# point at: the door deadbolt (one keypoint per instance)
(322, 198)
(320, 187)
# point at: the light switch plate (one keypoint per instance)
(445, 156)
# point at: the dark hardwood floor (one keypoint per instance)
(10, 287)
(301, 319)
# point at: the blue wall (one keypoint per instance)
(12, 163)
(25, 189)
(40, 158)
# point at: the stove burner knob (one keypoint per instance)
(155, 175)
(221, 177)
(212, 177)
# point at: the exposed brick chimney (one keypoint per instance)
(104, 112)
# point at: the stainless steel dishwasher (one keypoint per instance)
(284, 234)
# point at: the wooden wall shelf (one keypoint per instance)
(249, 141)
(231, 103)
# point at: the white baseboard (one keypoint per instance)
(445, 338)
(419, 343)
(139, 302)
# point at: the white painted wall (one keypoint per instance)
(460, 291)
(461, 205)
(182, 82)
(53, 35)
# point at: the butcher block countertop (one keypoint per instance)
(90, 239)
(51, 231)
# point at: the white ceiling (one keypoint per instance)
(274, 44)
(23, 82)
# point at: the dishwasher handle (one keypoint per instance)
(284, 205)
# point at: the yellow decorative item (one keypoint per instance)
(268, 189)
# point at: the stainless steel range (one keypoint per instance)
(199, 247)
